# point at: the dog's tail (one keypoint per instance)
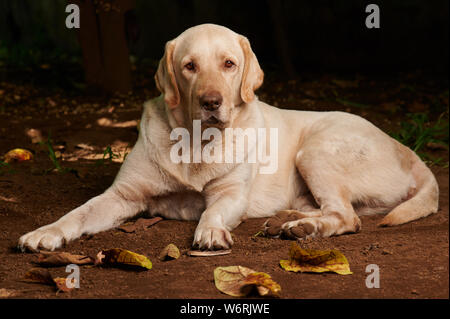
(424, 202)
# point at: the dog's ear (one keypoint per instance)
(252, 76)
(165, 77)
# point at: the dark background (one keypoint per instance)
(323, 35)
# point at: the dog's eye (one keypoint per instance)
(229, 64)
(190, 66)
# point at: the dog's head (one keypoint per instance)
(205, 73)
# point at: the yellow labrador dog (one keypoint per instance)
(330, 166)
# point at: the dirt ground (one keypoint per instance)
(413, 258)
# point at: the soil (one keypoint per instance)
(413, 258)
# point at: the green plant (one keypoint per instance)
(52, 156)
(417, 132)
(51, 153)
(108, 155)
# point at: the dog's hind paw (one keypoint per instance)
(287, 224)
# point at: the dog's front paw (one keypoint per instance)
(47, 237)
(212, 238)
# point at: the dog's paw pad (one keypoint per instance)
(273, 225)
(296, 230)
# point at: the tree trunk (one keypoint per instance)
(104, 44)
(280, 40)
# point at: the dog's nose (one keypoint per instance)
(211, 101)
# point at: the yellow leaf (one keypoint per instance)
(118, 256)
(170, 252)
(310, 260)
(19, 155)
(238, 281)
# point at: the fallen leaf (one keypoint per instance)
(104, 121)
(43, 276)
(10, 199)
(170, 252)
(118, 256)
(310, 260)
(208, 253)
(85, 146)
(35, 135)
(51, 102)
(52, 259)
(110, 123)
(7, 293)
(19, 155)
(39, 275)
(140, 223)
(61, 284)
(238, 281)
(99, 258)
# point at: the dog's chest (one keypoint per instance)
(195, 176)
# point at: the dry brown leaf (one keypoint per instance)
(104, 121)
(170, 252)
(238, 281)
(140, 223)
(39, 275)
(84, 146)
(43, 276)
(35, 135)
(110, 123)
(7, 293)
(51, 259)
(61, 284)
